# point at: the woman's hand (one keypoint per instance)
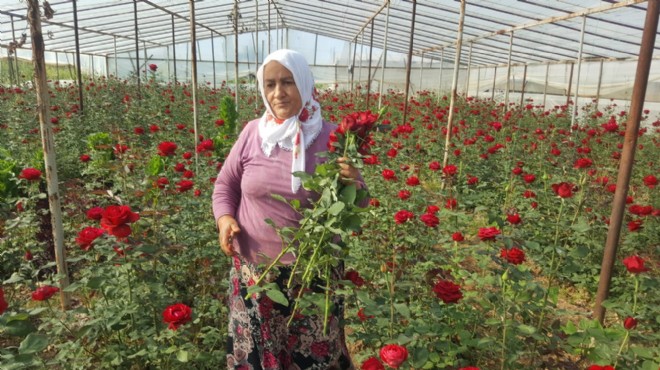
(349, 174)
(227, 228)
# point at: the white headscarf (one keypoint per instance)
(294, 133)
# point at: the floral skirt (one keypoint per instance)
(261, 338)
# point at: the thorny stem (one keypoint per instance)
(504, 314)
(552, 266)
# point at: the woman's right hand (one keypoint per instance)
(227, 228)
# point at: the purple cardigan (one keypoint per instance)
(244, 186)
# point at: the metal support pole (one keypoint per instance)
(213, 59)
(408, 67)
(454, 82)
(226, 63)
(78, 71)
(353, 67)
(522, 89)
(137, 46)
(169, 68)
(600, 80)
(492, 92)
(116, 58)
(57, 65)
(371, 52)
(442, 67)
(174, 50)
(48, 147)
(256, 55)
(236, 53)
(577, 81)
(627, 155)
(469, 70)
(421, 71)
(91, 59)
(570, 85)
(545, 86)
(382, 71)
(508, 71)
(316, 46)
(361, 53)
(193, 60)
(478, 81)
(269, 27)
(146, 59)
(17, 73)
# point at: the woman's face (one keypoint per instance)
(281, 91)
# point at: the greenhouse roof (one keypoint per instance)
(543, 31)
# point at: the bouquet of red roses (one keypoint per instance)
(318, 244)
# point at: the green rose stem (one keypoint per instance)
(552, 266)
(504, 315)
(71, 333)
(582, 199)
(625, 338)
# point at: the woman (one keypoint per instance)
(284, 140)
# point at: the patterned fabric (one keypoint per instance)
(259, 337)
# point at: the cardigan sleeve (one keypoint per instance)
(227, 189)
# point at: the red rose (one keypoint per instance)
(205, 146)
(187, 155)
(30, 174)
(403, 216)
(177, 315)
(115, 219)
(153, 67)
(529, 194)
(634, 264)
(488, 233)
(87, 236)
(432, 209)
(517, 171)
(374, 202)
(457, 236)
(392, 153)
(162, 182)
(361, 315)
(389, 174)
(95, 213)
(447, 291)
(138, 130)
(44, 292)
(404, 194)
(514, 219)
(650, 181)
(412, 181)
(393, 355)
(85, 158)
(434, 166)
(3, 303)
(635, 225)
(598, 367)
(372, 363)
(184, 185)
(28, 255)
(354, 277)
(166, 149)
(583, 163)
(563, 189)
(450, 170)
(120, 148)
(472, 180)
(154, 128)
(529, 178)
(451, 203)
(514, 256)
(469, 368)
(429, 219)
(629, 323)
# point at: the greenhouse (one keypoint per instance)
(479, 190)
